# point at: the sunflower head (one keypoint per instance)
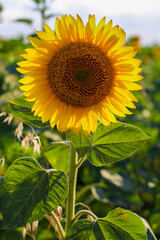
(80, 74)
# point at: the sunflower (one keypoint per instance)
(80, 74)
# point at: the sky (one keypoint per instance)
(138, 17)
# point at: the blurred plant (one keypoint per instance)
(146, 58)
(43, 8)
(156, 52)
(136, 42)
(1, 9)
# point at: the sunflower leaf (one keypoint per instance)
(108, 144)
(118, 224)
(22, 108)
(57, 154)
(81, 143)
(53, 145)
(115, 142)
(150, 234)
(1, 191)
(31, 192)
(24, 20)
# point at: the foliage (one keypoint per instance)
(108, 145)
(118, 224)
(31, 192)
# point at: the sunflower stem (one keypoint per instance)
(81, 160)
(59, 226)
(82, 212)
(70, 209)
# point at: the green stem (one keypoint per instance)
(84, 190)
(60, 228)
(56, 220)
(70, 210)
(82, 212)
(81, 160)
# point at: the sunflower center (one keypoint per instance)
(80, 74)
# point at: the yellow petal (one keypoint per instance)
(50, 32)
(23, 71)
(90, 26)
(57, 111)
(26, 80)
(114, 109)
(80, 27)
(57, 28)
(110, 42)
(99, 35)
(49, 110)
(120, 42)
(26, 64)
(104, 114)
(99, 26)
(39, 85)
(131, 78)
(131, 86)
(92, 21)
(122, 99)
(125, 93)
(64, 32)
(64, 123)
(119, 106)
(48, 47)
(43, 35)
(92, 120)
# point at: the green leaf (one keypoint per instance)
(155, 220)
(54, 145)
(1, 8)
(119, 224)
(114, 198)
(108, 144)
(150, 234)
(118, 181)
(81, 143)
(1, 191)
(58, 154)
(22, 108)
(31, 192)
(24, 20)
(115, 142)
(117, 190)
(37, 1)
(50, 16)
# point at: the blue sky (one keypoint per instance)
(138, 17)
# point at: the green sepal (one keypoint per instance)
(58, 154)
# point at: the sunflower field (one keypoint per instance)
(116, 188)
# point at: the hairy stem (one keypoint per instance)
(82, 212)
(58, 224)
(81, 160)
(70, 210)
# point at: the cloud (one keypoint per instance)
(140, 18)
(109, 7)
